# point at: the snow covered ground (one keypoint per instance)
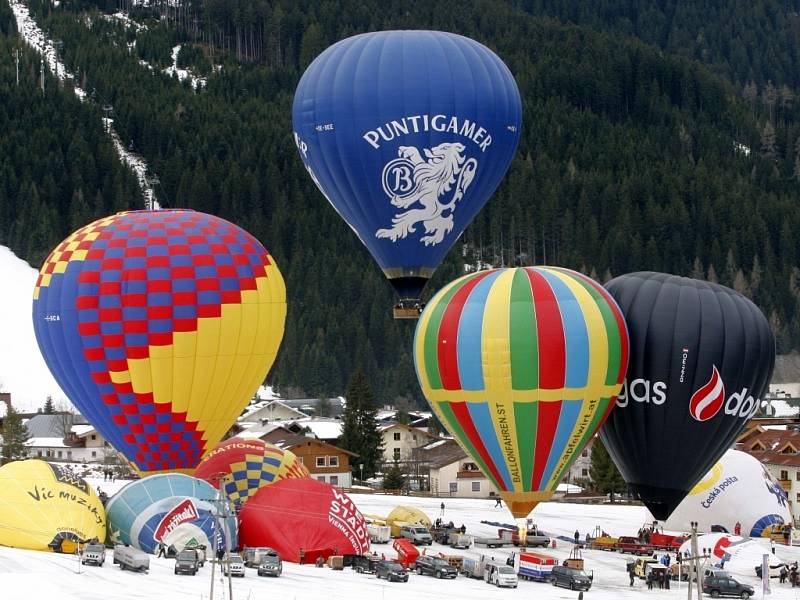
(26, 575)
(22, 368)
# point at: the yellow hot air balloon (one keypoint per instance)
(522, 366)
(160, 326)
(45, 507)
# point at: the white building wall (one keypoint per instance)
(343, 479)
(445, 481)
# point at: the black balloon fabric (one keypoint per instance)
(701, 357)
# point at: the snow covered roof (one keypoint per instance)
(324, 429)
(81, 430)
(781, 408)
(46, 442)
(256, 431)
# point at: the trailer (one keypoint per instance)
(474, 567)
(407, 554)
(536, 566)
(460, 540)
(491, 542)
(379, 534)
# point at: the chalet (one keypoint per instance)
(399, 441)
(779, 451)
(65, 437)
(272, 410)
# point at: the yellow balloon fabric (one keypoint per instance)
(45, 507)
(408, 514)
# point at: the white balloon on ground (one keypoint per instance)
(738, 489)
(741, 556)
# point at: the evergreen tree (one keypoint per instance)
(15, 434)
(603, 472)
(360, 429)
(394, 478)
(48, 409)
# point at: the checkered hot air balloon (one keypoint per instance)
(244, 466)
(522, 366)
(160, 326)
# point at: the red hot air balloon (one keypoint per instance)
(303, 513)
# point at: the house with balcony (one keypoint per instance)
(452, 473)
(66, 437)
(779, 451)
(399, 441)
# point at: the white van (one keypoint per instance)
(500, 575)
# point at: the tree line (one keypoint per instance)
(631, 158)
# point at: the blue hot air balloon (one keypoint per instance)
(407, 134)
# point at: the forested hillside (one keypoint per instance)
(631, 157)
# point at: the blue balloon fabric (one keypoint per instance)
(175, 509)
(407, 134)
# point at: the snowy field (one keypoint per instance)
(27, 575)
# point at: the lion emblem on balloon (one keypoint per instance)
(429, 188)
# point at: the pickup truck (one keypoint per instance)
(632, 545)
(95, 554)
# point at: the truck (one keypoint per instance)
(536, 566)
(253, 556)
(379, 534)
(187, 561)
(533, 537)
(94, 553)
(407, 554)
(664, 541)
(128, 557)
(603, 542)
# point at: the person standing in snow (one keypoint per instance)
(577, 537)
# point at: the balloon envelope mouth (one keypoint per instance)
(409, 289)
(661, 502)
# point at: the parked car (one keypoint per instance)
(418, 534)
(128, 557)
(187, 561)
(500, 575)
(270, 564)
(633, 546)
(95, 554)
(726, 586)
(574, 579)
(430, 565)
(391, 571)
(235, 564)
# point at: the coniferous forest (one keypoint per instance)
(656, 136)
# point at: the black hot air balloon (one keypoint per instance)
(701, 357)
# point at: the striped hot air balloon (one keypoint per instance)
(243, 467)
(160, 326)
(522, 366)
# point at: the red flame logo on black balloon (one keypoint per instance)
(707, 401)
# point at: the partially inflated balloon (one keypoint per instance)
(245, 466)
(701, 358)
(407, 134)
(45, 506)
(160, 326)
(170, 508)
(522, 366)
(738, 490)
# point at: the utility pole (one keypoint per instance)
(16, 58)
(222, 512)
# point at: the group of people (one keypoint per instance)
(109, 475)
(790, 573)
